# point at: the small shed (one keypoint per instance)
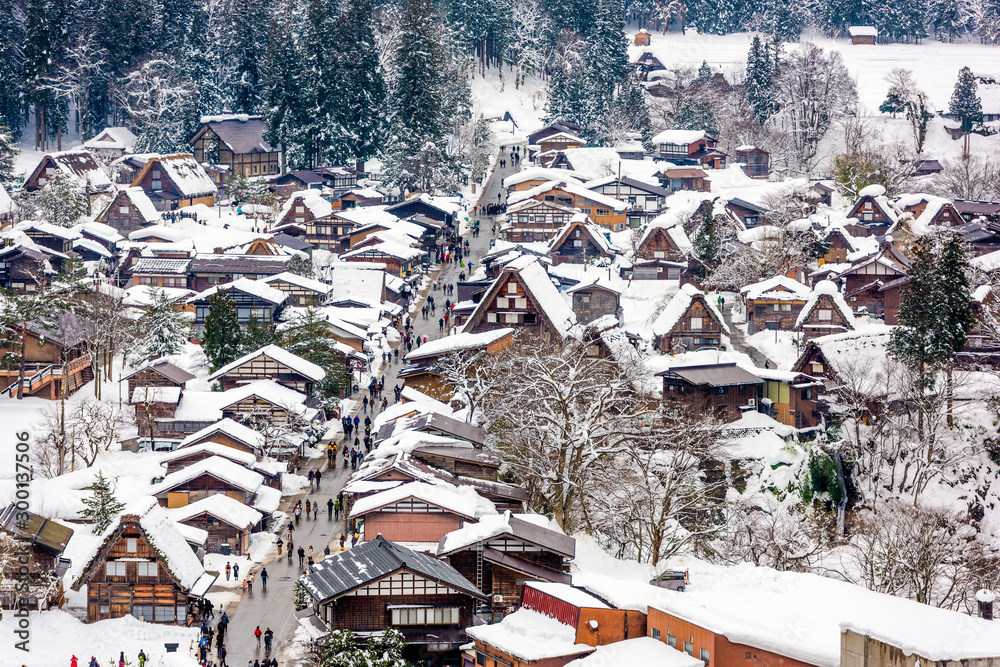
(862, 34)
(642, 38)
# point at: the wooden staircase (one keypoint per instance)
(41, 379)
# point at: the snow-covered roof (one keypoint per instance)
(456, 343)
(637, 651)
(80, 166)
(214, 448)
(540, 174)
(863, 31)
(829, 288)
(48, 228)
(463, 501)
(777, 288)
(679, 137)
(530, 636)
(119, 138)
(185, 173)
(256, 288)
(159, 232)
(100, 230)
(581, 220)
(390, 248)
(539, 287)
(6, 203)
(296, 363)
(156, 395)
(221, 507)
(268, 390)
(92, 246)
(311, 199)
(299, 281)
(988, 262)
(489, 527)
(678, 306)
(216, 466)
(163, 535)
(573, 188)
(142, 204)
(568, 594)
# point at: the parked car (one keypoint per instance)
(675, 580)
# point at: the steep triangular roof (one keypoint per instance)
(679, 306)
(279, 355)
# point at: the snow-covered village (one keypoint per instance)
(499, 333)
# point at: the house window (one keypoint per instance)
(603, 211)
(181, 613)
(584, 298)
(156, 185)
(164, 613)
(105, 609)
(501, 302)
(116, 568)
(529, 318)
(425, 616)
(689, 648)
(786, 307)
(146, 569)
(510, 318)
(659, 254)
(825, 315)
(868, 217)
(577, 244)
(557, 219)
(144, 612)
(300, 209)
(719, 391)
(656, 633)
(705, 656)
(520, 302)
(511, 288)
(480, 658)
(696, 323)
(491, 317)
(671, 641)
(807, 394)
(586, 210)
(522, 219)
(816, 368)
(123, 210)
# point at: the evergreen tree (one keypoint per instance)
(965, 105)
(607, 57)
(704, 72)
(283, 102)
(783, 20)
(221, 339)
(384, 650)
(162, 328)
(38, 58)
(696, 115)
(256, 335)
(893, 103)
(8, 151)
(101, 507)
(197, 55)
(302, 597)
(706, 241)
(301, 265)
(243, 38)
(946, 20)
(758, 81)
(307, 336)
(11, 71)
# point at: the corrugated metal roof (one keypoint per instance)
(715, 375)
(159, 265)
(344, 572)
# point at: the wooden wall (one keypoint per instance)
(410, 527)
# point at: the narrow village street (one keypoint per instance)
(275, 607)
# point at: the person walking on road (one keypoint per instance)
(329, 508)
(263, 578)
(258, 633)
(302, 555)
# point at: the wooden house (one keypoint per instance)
(555, 127)
(360, 198)
(378, 584)
(593, 300)
(532, 177)
(644, 200)
(54, 357)
(580, 242)
(111, 143)
(554, 144)
(415, 512)
(142, 567)
(432, 423)
(689, 322)
(158, 373)
(980, 339)
(208, 270)
(823, 191)
(152, 404)
(974, 210)
(399, 260)
(723, 391)
(270, 363)
(295, 181)
(253, 299)
(662, 243)
(603, 210)
(930, 210)
(505, 550)
(181, 458)
(129, 210)
(842, 243)
(862, 34)
(826, 312)
(774, 303)
(755, 162)
(790, 397)
(646, 64)
(556, 624)
(873, 211)
(523, 297)
(229, 433)
(747, 213)
(689, 147)
(839, 358)
(531, 220)
(53, 237)
(299, 290)
(339, 179)
(237, 142)
(23, 268)
(206, 478)
(304, 207)
(268, 401)
(160, 272)
(684, 178)
(862, 282)
(40, 544)
(427, 206)
(641, 38)
(228, 522)
(175, 181)
(78, 166)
